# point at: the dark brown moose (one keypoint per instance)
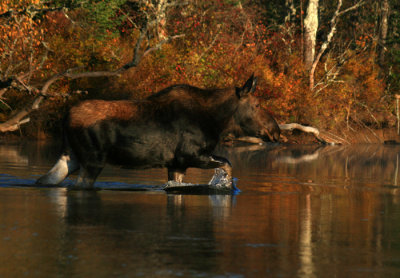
(176, 128)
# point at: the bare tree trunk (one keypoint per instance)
(328, 40)
(291, 11)
(315, 62)
(383, 30)
(310, 32)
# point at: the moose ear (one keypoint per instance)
(248, 87)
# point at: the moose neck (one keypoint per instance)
(223, 109)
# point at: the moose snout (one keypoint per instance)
(270, 134)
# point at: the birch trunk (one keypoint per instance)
(291, 11)
(310, 32)
(383, 30)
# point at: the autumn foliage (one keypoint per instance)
(224, 42)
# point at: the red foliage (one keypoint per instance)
(223, 45)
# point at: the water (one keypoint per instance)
(303, 212)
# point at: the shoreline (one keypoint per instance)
(344, 136)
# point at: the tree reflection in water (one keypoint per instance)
(306, 211)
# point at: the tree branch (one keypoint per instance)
(30, 10)
(159, 45)
(325, 44)
(331, 33)
(2, 92)
(356, 6)
(19, 118)
(140, 51)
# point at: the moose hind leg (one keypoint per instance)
(65, 165)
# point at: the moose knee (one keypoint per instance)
(223, 163)
(176, 175)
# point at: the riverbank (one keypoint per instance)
(344, 135)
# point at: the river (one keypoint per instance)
(303, 211)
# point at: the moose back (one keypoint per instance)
(176, 128)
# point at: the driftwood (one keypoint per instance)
(322, 136)
(307, 129)
(249, 139)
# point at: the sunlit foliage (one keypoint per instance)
(224, 42)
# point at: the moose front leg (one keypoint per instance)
(213, 161)
(223, 163)
(176, 175)
(221, 180)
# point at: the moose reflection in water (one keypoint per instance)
(176, 128)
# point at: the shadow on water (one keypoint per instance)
(304, 211)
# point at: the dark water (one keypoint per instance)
(303, 212)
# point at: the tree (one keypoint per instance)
(393, 48)
(45, 45)
(383, 31)
(25, 59)
(311, 26)
(310, 33)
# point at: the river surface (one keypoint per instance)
(303, 211)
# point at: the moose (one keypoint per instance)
(175, 128)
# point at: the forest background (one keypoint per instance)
(331, 64)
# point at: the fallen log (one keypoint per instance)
(322, 137)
